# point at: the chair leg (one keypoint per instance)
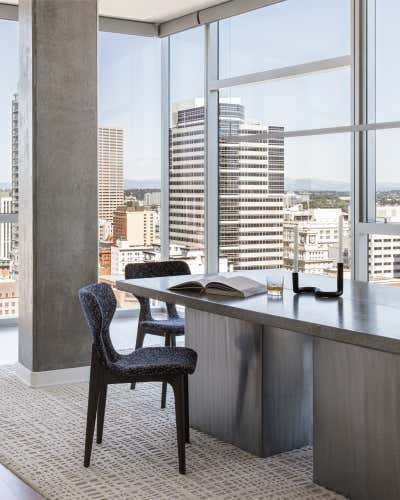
(91, 415)
(100, 413)
(164, 384)
(178, 386)
(186, 394)
(139, 343)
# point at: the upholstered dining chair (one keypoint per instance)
(168, 328)
(149, 364)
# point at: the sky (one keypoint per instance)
(8, 87)
(288, 33)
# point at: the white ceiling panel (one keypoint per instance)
(152, 11)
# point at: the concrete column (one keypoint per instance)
(58, 179)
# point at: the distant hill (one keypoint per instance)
(388, 186)
(311, 184)
(301, 184)
(142, 184)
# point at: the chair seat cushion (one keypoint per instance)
(156, 361)
(172, 326)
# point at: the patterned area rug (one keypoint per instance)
(42, 436)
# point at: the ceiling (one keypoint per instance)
(152, 11)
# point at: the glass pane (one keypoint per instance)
(8, 171)
(384, 259)
(383, 62)
(129, 151)
(313, 101)
(186, 149)
(285, 34)
(269, 186)
(9, 296)
(383, 158)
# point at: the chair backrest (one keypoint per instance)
(155, 270)
(99, 304)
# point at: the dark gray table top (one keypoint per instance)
(367, 315)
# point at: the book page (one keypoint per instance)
(240, 283)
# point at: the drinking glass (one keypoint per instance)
(275, 285)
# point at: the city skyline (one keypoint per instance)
(130, 99)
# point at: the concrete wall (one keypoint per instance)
(58, 180)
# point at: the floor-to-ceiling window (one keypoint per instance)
(284, 85)
(129, 154)
(382, 173)
(186, 148)
(8, 169)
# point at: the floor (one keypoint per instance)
(12, 488)
(123, 333)
(42, 435)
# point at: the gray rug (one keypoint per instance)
(42, 436)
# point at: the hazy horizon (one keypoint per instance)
(130, 85)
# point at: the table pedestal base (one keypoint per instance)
(253, 383)
(356, 421)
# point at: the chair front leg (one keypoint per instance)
(100, 412)
(186, 394)
(93, 399)
(179, 392)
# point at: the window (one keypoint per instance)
(285, 34)
(129, 151)
(9, 167)
(382, 194)
(186, 148)
(276, 169)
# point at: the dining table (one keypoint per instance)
(279, 373)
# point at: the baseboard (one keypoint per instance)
(52, 377)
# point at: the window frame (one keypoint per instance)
(363, 183)
(362, 165)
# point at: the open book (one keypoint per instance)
(236, 286)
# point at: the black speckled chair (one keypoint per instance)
(168, 328)
(152, 364)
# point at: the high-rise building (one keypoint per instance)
(111, 171)
(135, 224)
(384, 257)
(384, 250)
(153, 198)
(14, 184)
(5, 228)
(318, 239)
(186, 175)
(251, 185)
(124, 252)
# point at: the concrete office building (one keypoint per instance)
(124, 252)
(14, 185)
(5, 229)
(8, 298)
(153, 198)
(111, 171)
(318, 239)
(135, 224)
(384, 250)
(251, 185)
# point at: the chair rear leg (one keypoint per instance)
(186, 395)
(178, 386)
(139, 343)
(168, 342)
(100, 413)
(91, 416)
